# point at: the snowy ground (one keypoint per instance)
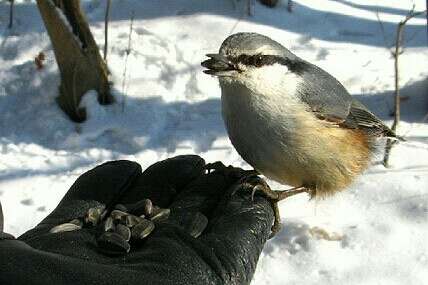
(374, 233)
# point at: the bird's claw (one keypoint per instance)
(258, 184)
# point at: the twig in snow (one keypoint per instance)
(290, 6)
(236, 23)
(11, 13)
(250, 7)
(128, 51)
(382, 28)
(234, 4)
(396, 53)
(106, 20)
(269, 3)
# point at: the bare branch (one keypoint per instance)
(382, 28)
(250, 7)
(290, 6)
(396, 54)
(106, 20)
(11, 13)
(271, 3)
(128, 51)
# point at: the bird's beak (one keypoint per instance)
(219, 65)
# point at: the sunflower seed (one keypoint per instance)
(132, 220)
(155, 210)
(121, 207)
(118, 216)
(142, 207)
(109, 225)
(148, 207)
(123, 231)
(113, 244)
(159, 214)
(143, 229)
(66, 227)
(94, 215)
(77, 222)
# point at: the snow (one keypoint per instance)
(373, 233)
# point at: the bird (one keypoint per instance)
(290, 120)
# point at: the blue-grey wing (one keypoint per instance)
(330, 101)
(360, 117)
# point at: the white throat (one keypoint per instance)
(260, 111)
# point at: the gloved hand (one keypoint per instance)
(225, 253)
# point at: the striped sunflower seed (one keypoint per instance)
(123, 231)
(159, 214)
(113, 244)
(142, 230)
(66, 227)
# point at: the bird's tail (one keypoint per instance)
(390, 134)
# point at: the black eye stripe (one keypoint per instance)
(259, 60)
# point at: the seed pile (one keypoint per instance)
(123, 226)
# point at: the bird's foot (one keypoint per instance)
(258, 184)
(276, 196)
(279, 195)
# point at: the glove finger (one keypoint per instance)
(192, 207)
(163, 180)
(104, 183)
(237, 233)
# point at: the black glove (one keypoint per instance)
(225, 253)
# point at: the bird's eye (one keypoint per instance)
(257, 60)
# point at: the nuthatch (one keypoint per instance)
(289, 119)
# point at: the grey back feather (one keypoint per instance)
(327, 97)
(323, 93)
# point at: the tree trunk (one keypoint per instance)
(79, 61)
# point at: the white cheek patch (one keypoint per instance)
(273, 80)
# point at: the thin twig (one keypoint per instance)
(73, 88)
(290, 6)
(236, 24)
(11, 13)
(106, 20)
(396, 54)
(382, 28)
(425, 118)
(128, 51)
(250, 7)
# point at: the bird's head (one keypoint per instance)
(249, 58)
